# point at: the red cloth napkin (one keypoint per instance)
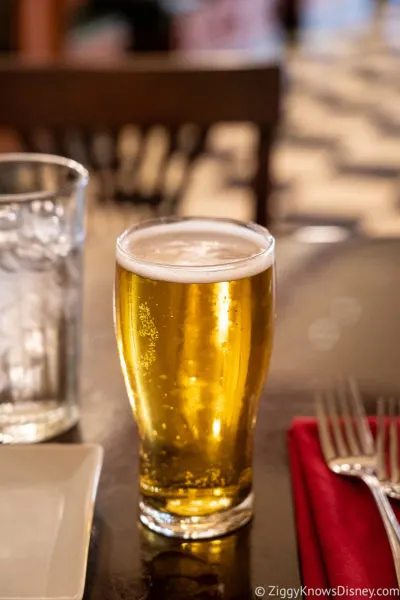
(341, 538)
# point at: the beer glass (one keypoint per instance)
(194, 316)
(41, 242)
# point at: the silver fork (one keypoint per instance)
(389, 481)
(351, 451)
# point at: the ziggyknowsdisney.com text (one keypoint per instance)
(340, 591)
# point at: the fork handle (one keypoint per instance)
(388, 517)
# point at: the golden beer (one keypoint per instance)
(194, 312)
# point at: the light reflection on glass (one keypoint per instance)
(222, 310)
(217, 428)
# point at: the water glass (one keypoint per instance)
(41, 243)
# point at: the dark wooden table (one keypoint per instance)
(338, 313)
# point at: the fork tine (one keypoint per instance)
(337, 431)
(380, 440)
(348, 426)
(325, 438)
(393, 442)
(362, 427)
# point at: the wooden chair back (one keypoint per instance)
(58, 108)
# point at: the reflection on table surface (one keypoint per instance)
(217, 568)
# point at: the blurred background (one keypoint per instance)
(284, 111)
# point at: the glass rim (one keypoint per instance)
(36, 158)
(231, 264)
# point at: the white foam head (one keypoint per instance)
(197, 250)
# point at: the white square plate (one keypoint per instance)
(47, 496)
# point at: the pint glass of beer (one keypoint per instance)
(194, 316)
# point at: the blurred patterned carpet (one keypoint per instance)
(337, 158)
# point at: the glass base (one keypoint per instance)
(196, 528)
(30, 422)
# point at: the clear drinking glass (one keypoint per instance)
(41, 242)
(194, 312)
